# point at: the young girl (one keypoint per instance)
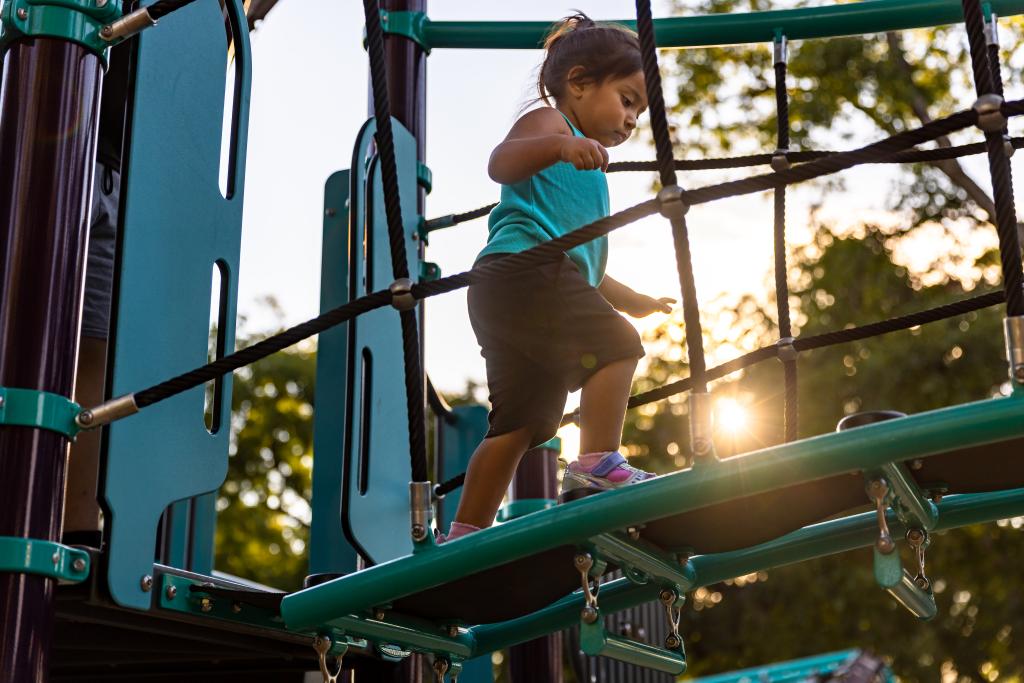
(551, 329)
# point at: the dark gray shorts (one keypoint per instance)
(543, 332)
(99, 267)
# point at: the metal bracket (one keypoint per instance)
(46, 558)
(992, 30)
(419, 511)
(701, 441)
(1013, 328)
(429, 271)
(781, 49)
(596, 641)
(424, 176)
(78, 21)
(39, 409)
(411, 25)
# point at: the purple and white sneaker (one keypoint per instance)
(611, 472)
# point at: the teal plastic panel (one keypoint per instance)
(176, 225)
(375, 504)
(329, 551)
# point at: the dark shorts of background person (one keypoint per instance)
(99, 268)
(543, 332)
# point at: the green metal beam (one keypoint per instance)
(855, 18)
(865, 448)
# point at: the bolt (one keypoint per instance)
(673, 642)
(922, 582)
(419, 532)
(583, 561)
(56, 558)
(453, 631)
(22, 13)
(633, 532)
(107, 31)
(171, 592)
(667, 596)
(85, 418)
(1, 401)
(378, 614)
(236, 607)
(78, 565)
(917, 464)
(330, 212)
(146, 583)
(588, 615)
(915, 536)
(206, 604)
(937, 498)
(701, 446)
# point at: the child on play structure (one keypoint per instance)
(552, 329)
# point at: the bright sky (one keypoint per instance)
(309, 99)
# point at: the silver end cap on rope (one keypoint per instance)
(105, 413)
(701, 441)
(127, 26)
(401, 294)
(1013, 327)
(419, 509)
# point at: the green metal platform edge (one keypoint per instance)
(830, 21)
(806, 668)
(917, 436)
(44, 558)
(40, 409)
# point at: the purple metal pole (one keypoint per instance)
(49, 112)
(539, 660)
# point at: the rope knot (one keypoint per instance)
(990, 113)
(401, 294)
(670, 199)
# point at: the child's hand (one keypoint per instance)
(584, 154)
(643, 305)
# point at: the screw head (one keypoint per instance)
(633, 533)
(146, 583)
(85, 418)
(1018, 373)
(171, 592)
(922, 582)
(236, 607)
(330, 212)
(107, 31)
(378, 614)
(667, 596)
(55, 559)
(78, 565)
(22, 13)
(672, 642)
(206, 604)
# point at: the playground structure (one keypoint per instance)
(538, 572)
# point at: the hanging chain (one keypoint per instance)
(669, 598)
(322, 645)
(878, 491)
(918, 540)
(584, 563)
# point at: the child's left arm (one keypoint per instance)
(632, 303)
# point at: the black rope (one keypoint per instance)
(162, 8)
(675, 211)
(999, 166)
(396, 234)
(789, 370)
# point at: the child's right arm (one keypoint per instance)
(539, 139)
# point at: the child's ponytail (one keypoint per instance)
(603, 50)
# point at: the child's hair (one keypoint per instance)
(603, 50)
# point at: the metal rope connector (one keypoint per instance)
(787, 352)
(105, 413)
(781, 50)
(127, 26)
(1013, 328)
(990, 113)
(670, 198)
(1008, 147)
(780, 160)
(401, 294)
(992, 31)
(419, 509)
(701, 441)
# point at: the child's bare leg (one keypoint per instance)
(603, 406)
(488, 477)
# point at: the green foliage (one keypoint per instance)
(263, 510)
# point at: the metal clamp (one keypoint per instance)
(419, 509)
(780, 162)
(584, 562)
(1013, 329)
(918, 540)
(77, 21)
(878, 492)
(39, 409)
(670, 199)
(787, 352)
(992, 30)
(701, 441)
(674, 611)
(780, 50)
(990, 113)
(105, 413)
(401, 294)
(322, 645)
(44, 558)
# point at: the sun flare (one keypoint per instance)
(730, 416)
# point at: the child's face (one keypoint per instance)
(608, 111)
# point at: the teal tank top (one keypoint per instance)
(549, 204)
